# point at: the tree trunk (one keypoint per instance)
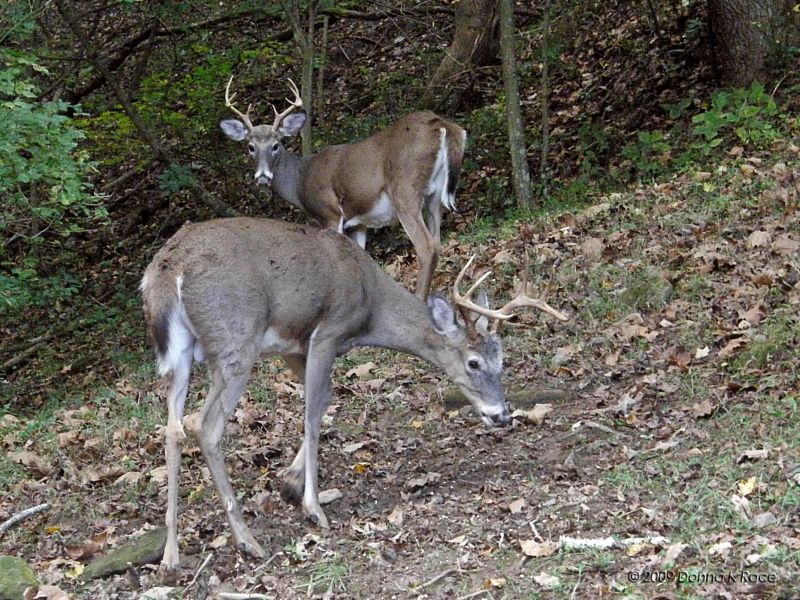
(740, 31)
(304, 38)
(474, 45)
(516, 130)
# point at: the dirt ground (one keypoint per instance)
(654, 454)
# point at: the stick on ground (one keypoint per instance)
(21, 516)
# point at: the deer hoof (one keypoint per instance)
(318, 518)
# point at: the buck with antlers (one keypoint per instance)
(229, 290)
(406, 172)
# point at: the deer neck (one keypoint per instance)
(402, 323)
(286, 178)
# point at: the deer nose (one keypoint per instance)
(499, 420)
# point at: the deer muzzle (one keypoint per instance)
(498, 419)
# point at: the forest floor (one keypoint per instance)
(655, 452)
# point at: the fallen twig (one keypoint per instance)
(435, 580)
(21, 516)
(200, 570)
(474, 594)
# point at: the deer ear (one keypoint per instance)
(442, 315)
(482, 324)
(234, 129)
(292, 123)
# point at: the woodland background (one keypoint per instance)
(647, 152)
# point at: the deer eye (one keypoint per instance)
(275, 147)
(473, 365)
(251, 148)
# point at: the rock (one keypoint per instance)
(15, 577)
(145, 549)
(764, 519)
(331, 495)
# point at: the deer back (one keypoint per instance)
(267, 284)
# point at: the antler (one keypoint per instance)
(245, 117)
(296, 103)
(500, 315)
(521, 299)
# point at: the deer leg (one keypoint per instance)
(226, 389)
(426, 245)
(433, 216)
(294, 475)
(173, 436)
(359, 235)
(318, 397)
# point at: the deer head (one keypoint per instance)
(264, 142)
(476, 362)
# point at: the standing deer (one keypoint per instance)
(400, 173)
(229, 290)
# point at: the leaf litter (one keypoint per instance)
(611, 473)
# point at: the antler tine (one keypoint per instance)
(466, 302)
(245, 117)
(521, 299)
(293, 104)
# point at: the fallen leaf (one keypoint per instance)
(562, 355)
(219, 542)
(672, 553)
(396, 517)
(592, 248)
(731, 347)
(784, 245)
(706, 408)
(635, 549)
(51, 592)
(158, 475)
(702, 352)
(129, 478)
(33, 461)
(535, 415)
(747, 486)
(754, 316)
(68, 438)
(612, 358)
(75, 572)
(495, 582)
(420, 482)
(758, 239)
(87, 550)
(361, 371)
(538, 549)
(752, 455)
(350, 448)
(516, 506)
(722, 549)
(547, 581)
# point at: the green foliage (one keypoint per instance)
(42, 179)
(749, 117)
(176, 178)
(593, 144)
(741, 113)
(649, 154)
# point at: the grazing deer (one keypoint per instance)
(400, 173)
(229, 290)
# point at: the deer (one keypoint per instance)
(404, 173)
(227, 291)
